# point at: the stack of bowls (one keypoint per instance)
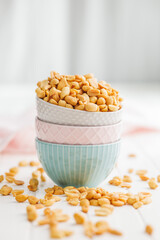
(77, 148)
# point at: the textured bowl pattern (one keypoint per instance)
(77, 165)
(60, 115)
(63, 134)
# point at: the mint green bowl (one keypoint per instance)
(77, 165)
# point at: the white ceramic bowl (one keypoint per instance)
(78, 135)
(60, 115)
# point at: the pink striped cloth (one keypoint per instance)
(17, 134)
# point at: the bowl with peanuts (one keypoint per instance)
(78, 127)
(78, 100)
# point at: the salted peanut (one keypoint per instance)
(23, 163)
(91, 107)
(103, 201)
(56, 233)
(143, 177)
(93, 92)
(47, 203)
(39, 206)
(109, 100)
(101, 101)
(158, 178)
(71, 100)
(65, 92)
(89, 75)
(54, 82)
(33, 182)
(93, 82)
(141, 172)
(62, 217)
(83, 195)
(41, 170)
(18, 182)
(127, 179)
(44, 85)
(132, 199)
(74, 201)
(10, 174)
(14, 170)
(63, 83)
(43, 179)
(49, 190)
(94, 202)
(86, 88)
(44, 221)
(102, 212)
(1, 178)
(62, 103)
(48, 196)
(35, 174)
(149, 229)
(5, 190)
(105, 109)
(152, 183)
(17, 192)
(32, 188)
(74, 85)
(21, 197)
(113, 108)
(58, 192)
(56, 198)
(69, 106)
(80, 107)
(9, 179)
(104, 92)
(101, 227)
(137, 205)
(89, 229)
(40, 93)
(31, 213)
(90, 194)
(146, 200)
(47, 211)
(130, 170)
(33, 200)
(109, 207)
(97, 196)
(81, 189)
(114, 232)
(34, 163)
(93, 99)
(53, 101)
(80, 77)
(117, 203)
(84, 203)
(116, 181)
(132, 155)
(125, 185)
(79, 218)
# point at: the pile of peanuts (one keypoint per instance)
(104, 201)
(81, 92)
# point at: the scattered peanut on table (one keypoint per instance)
(104, 201)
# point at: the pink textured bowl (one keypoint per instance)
(63, 134)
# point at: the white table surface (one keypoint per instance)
(13, 222)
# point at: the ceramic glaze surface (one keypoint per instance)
(77, 165)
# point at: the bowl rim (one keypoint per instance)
(79, 111)
(77, 145)
(120, 123)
